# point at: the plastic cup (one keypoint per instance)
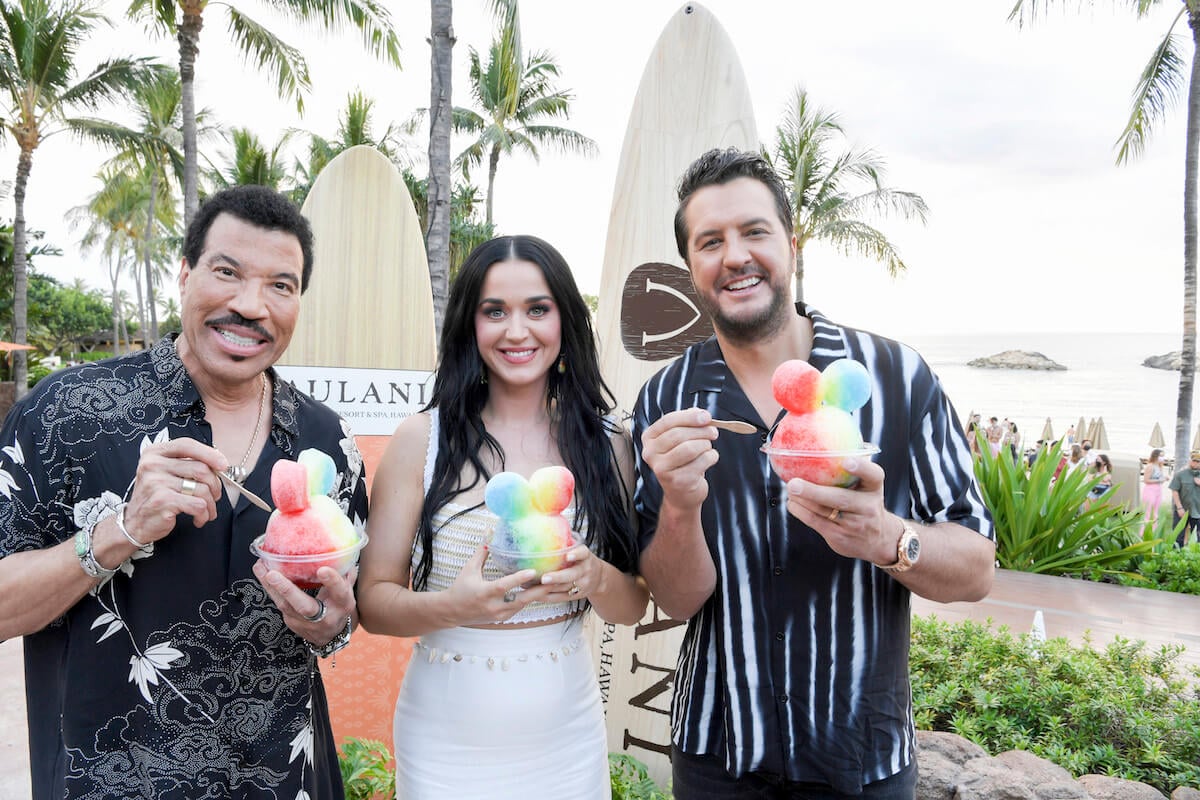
(302, 569)
(542, 561)
(822, 467)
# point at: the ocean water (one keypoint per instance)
(1104, 378)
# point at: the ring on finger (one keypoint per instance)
(510, 595)
(319, 614)
(574, 588)
(188, 486)
(834, 515)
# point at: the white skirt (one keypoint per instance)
(495, 714)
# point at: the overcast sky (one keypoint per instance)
(1007, 133)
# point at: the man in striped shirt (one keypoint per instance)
(792, 679)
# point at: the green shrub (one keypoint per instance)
(1118, 711)
(1171, 570)
(1042, 524)
(630, 780)
(367, 770)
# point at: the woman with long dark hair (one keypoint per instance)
(500, 698)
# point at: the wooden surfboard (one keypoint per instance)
(692, 97)
(369, 303)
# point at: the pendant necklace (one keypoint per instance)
(238, 472)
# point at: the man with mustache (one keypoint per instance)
(161, 660)
(793, 676)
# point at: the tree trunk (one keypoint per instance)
(189, 48)
(493, 163)
(150, 333)
(1187, 372)
(20, 276)
(799, 274)
(437, 237)
(116, 318)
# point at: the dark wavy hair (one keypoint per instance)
(578, 398)
(719, 166)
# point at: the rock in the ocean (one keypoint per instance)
(1172, 360)
(1016, 359)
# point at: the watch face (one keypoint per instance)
(912, 548)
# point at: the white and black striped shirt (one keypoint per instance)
(798, 663)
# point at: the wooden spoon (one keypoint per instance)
(733, 426)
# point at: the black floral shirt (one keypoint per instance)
(176, 678)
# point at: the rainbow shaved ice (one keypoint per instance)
(532, 533)
(819, 431)
(307, 522)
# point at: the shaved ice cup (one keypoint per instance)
(541, 561)
(822, 467)
(301, 569)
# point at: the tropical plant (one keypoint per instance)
(630, 780)
(249, 162)
(835, 189)
(156, 153)
(366, 770)
(1042, 524)
(354, 128)
(519, 101)
(183, 19)
(1171, 569)
(39, 46)
(60, 315)
(467, 231)
(1168, 75)
(1118, 711)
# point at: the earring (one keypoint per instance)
(483, 376)
(562, 365)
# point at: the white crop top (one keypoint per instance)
(458, 533)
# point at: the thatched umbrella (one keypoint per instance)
(1091, 432)
(1080, 431)
(1100, 440)
(1048, 432)
(1156, 437)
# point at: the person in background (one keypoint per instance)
(1013, 438)
(1153, 478)
(1185, 493)
(500, 699)
(792, 680)
(1103, 468)
(1089, 454)
(973, 434)
(161, 659)
(995, 436)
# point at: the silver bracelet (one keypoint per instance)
(125, 532)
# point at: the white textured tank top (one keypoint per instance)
(460, 530)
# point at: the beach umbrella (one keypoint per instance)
(1090, 434)
(1048, 432)
(8, 347)
(1100, 440)
(1196, 439)
(1156, 437)
(1080, 431)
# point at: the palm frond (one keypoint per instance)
(267, 51)
(370, 18)
(1163, 79)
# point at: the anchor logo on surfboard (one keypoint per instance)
(660, 316)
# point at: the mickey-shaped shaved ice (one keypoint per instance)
(533, 533)
(306, 520)
(819, 431)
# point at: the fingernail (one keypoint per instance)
(546, 579)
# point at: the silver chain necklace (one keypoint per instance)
(238, 472)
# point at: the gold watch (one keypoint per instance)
(908, 550)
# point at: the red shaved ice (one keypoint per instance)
(796, 385)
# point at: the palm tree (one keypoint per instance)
(251, 162)
(39, 44)
(354, 128)
(183, 19)
(158, 106)
(437, 234)
(1162, 82)
(832, 191)
(519, 100)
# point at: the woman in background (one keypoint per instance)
(500, 699)
(1153, 478)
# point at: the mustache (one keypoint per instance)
(237, 319)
